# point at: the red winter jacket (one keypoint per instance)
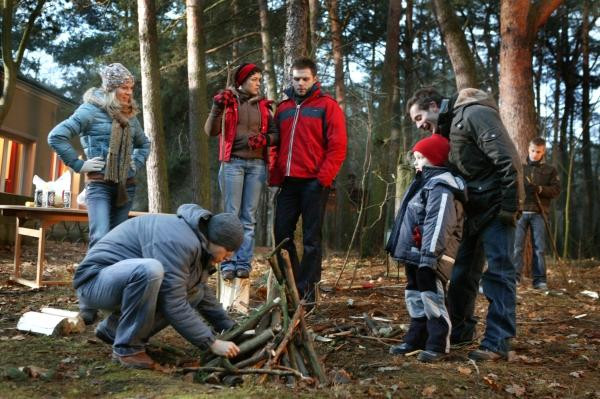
(312, 138)
(231, 121)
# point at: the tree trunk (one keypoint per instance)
(158, 186)
(519, 23)
(385, 152)
(198, 105)
(463, 61)
(295, 36)
(313, 18)
(588, 177)
(338, 54)
(235, 46)
(11, 63)
(267, 51)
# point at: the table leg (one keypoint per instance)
(17, 249)
(41, 254)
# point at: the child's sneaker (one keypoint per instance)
(403, 349)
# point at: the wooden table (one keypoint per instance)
(47, 217)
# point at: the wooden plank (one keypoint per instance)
(24, 281)
(24, 231)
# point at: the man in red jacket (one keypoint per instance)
(312, 148)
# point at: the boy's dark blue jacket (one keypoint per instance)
(429, 225)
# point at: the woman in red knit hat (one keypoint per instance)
(425, 237)
(243, 121)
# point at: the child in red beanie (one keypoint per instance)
(425, 237)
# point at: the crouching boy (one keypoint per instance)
(425, 237)
(150, 272)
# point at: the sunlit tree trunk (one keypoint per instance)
(198, 105)
(158, 186)
(519, 22)
(338, 54)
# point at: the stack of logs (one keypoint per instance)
(273, 340)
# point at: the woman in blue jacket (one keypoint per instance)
(115, 147)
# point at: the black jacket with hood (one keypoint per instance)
(483, 153)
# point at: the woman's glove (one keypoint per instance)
(258, 141)
(92, 165)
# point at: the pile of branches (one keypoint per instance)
(274, 339)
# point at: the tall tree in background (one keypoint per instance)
(385, 144)
(267, 50)
(198, 105)
(313, 20)
(156, 166)
(586, 147)
(296, 35)
(520, 21)
(12, 62)
(460, 55)
(338, 53)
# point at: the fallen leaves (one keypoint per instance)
(464, 370)
(428, 391)
(515, 389)
(577, 374)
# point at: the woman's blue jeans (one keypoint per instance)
(242, 182)
(103, 215)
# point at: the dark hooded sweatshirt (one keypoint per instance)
(179, 243)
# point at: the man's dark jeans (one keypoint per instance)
(495, 242)
(538, 239)
(306, 198)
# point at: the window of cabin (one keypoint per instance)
(12, 165)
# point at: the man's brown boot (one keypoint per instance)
(137, 361)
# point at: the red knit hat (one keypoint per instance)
(243, 72)
(435, 148)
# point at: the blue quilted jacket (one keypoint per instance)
(429, 225)
(93, 126)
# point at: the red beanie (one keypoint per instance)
(435, 148)
(243, 72)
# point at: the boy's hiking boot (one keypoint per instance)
(137, 361)
(430, 356)
(482, 355)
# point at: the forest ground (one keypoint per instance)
(556, 352)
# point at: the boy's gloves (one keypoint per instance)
(508, 218)
(92, 165)
(417, 237)
(258, 141)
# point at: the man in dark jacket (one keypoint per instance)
(312, 148)
(483, 153)
(541, 185)
(151, 271)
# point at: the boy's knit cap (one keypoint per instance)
(226, 230)
(435, 148)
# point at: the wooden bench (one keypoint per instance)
(47, 217)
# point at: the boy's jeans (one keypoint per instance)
(495, 242)
(242, 182)
(129, 289)
(538, 239)
(103, 214)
